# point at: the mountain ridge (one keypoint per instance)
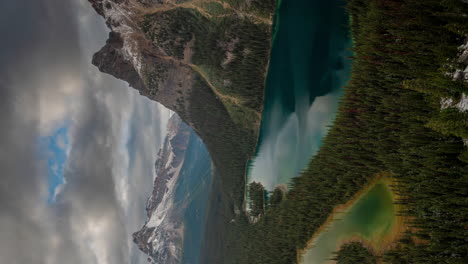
(161, 236)
(207, 61)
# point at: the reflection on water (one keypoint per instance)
(308, 67)
(283, 154)
(372, 218)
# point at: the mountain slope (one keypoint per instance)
(176, 51)
(207, 61)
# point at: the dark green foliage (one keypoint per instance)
(231, 50)
(450, 122)
(389, 120)
(245, 41)
(227, 195)
(173, 29)
(354, 253)
(257, 195)
(276, 197)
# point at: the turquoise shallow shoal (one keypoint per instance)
(371, 218)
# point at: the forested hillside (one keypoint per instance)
(391, 118)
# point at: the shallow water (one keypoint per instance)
(309, 65)
(371, 218)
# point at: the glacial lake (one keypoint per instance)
(309, 65)
(371, 219)
(192, 194)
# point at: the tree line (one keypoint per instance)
(389, 119)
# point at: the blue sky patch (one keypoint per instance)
(54, 149)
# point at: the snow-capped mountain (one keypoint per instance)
(161, 237)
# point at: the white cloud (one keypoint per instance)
(91, 235)
(44, 89)
(59, 99)
(59, 189)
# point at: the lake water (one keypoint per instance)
(308, 69)
(309, 65)
(371, 218)
(192, 193)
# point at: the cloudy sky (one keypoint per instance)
(77, 146)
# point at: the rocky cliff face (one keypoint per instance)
(162, 235)
(204, 59)
(207, 61)
(167, 48)
(129, 55)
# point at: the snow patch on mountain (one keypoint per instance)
(161, 238)
(166, 204)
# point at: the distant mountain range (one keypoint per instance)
(162, 235)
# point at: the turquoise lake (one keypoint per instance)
(309, 66)
(371, 218)
(192, 193)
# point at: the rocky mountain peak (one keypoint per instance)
(161, 236)
(206, 61)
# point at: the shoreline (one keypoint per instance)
(274, 30)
